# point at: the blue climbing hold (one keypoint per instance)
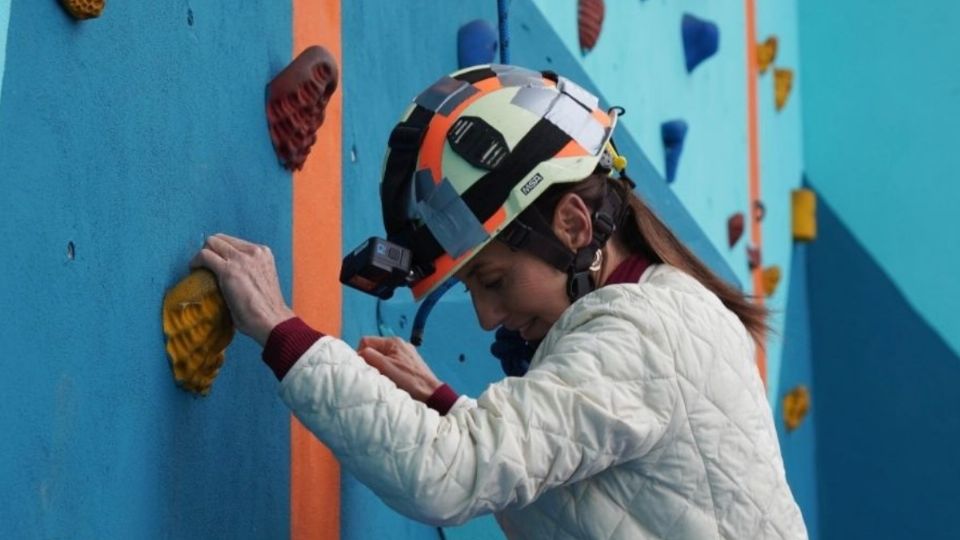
(701, 38)
(476, 43)
(672, 133)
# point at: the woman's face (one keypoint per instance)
(516, 290)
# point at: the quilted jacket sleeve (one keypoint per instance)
(599, 394)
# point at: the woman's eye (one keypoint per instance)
(493, 285)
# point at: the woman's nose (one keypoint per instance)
(490, 313)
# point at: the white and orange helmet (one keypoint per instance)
(474, 150)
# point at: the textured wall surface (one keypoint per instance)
(132, 137)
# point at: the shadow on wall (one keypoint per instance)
(885, 388)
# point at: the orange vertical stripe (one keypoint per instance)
(753, 143)
(314, 472)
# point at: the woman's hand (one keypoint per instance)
(400, 362)
(248, 280)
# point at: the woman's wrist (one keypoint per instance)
(270, 321)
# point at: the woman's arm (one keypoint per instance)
(591, 403)
(600, 394)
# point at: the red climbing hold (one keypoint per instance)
(735, 228)
(296, 101)
(753, 257)
(589, 20)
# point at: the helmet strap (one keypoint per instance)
(535, 235)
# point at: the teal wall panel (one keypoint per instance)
(132, 137)
(880, 109)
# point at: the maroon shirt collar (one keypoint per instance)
(629, 271)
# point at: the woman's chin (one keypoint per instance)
(533, 332)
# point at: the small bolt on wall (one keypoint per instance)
(84, 9)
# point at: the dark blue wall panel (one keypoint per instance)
(886, 400)
(134, 136)
(798, 447)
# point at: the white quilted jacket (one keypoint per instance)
(642, 416)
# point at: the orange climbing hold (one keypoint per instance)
(770, 277)
(84, 9)
(296, 101)
(589, 22)
(796, 404)
(782, 84)
(804, 215)
(766, 54)
(198, 329)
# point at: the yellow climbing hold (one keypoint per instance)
(782, 84)
(619, 163)
(804, 203)
(766, 53)
(198, 329)
(84, 9)
(796, 403)
(770, 278)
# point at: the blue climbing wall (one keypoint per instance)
(880, 104)
(125, 140)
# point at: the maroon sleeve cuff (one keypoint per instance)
(287, 343)
(442, 399)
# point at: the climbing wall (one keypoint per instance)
(880, 130)
(124, 140)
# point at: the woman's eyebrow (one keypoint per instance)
(476, 268)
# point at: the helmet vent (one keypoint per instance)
(477, 142)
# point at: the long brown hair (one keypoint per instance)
(643, 233)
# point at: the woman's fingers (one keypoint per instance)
(209, 259)
(237, 244)
(401, 363)
(221, 247)
(375, 359)
(248, 279)
(381, 344)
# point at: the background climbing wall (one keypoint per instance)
(880, 108)
(124, 140)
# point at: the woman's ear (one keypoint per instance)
(572, 223)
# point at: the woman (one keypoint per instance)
(641, 415)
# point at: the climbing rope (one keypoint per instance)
(504, 31)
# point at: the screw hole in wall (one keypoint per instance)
(353, 153)
(189, 17)
(71, 251)
(462, 357)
